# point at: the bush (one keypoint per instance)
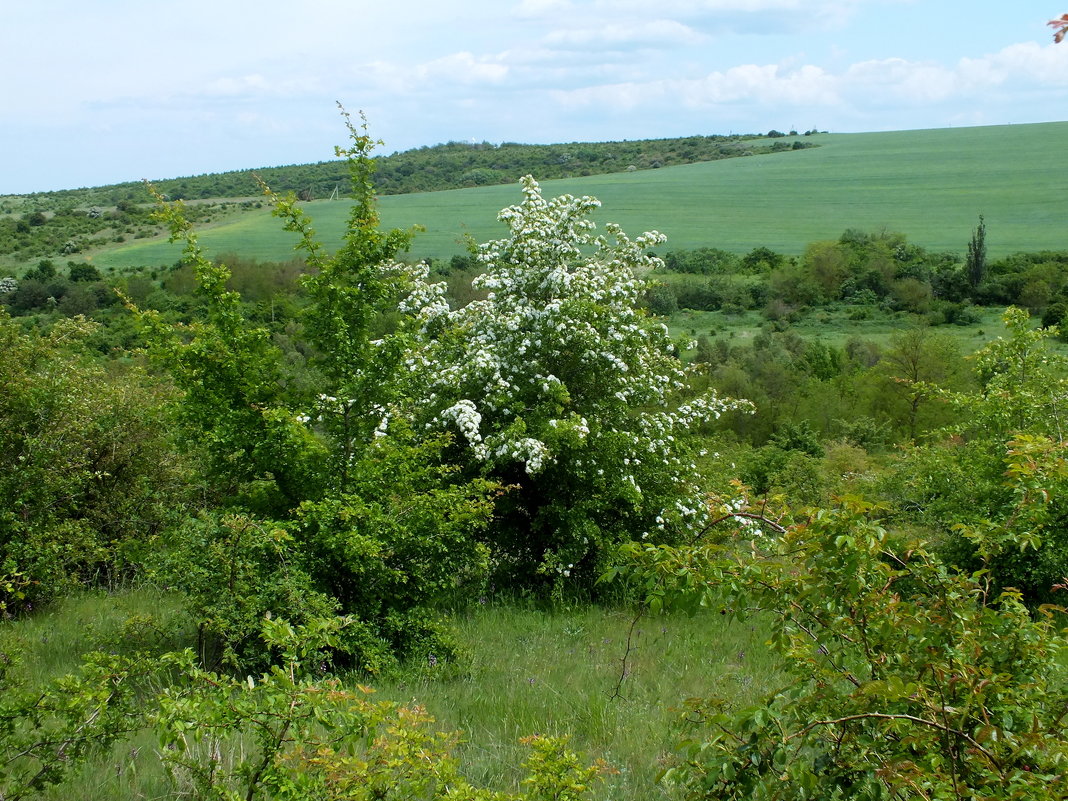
(559, 387)
(333, 506)
(85, 467)
(908, 679)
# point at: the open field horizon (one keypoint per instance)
(931, 185)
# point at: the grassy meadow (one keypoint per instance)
(531, 670)
(931, 185)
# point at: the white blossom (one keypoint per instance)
(559, 359)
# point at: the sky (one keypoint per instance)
(102, 91)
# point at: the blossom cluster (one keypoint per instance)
(558, 368)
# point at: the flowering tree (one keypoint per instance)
(558, 385)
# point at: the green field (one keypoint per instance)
(931, 185)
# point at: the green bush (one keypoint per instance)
(910, 680)
(86, 470)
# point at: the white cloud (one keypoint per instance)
(440, 77)
(1044, 64)
(882, 83)
(463, 68)
(542, 8)
(764, 84)
(924, 82)
(655, 33)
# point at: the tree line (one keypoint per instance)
(452, 165)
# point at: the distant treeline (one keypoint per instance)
(866, 272)
(863, 270)
(454, 165)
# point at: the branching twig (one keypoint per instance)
(623, 672)
(912, 718)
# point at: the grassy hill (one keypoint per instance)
(930, 185)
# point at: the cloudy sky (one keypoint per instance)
(99, 91)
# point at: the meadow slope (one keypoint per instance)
(931, 185)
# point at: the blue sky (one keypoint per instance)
(100, 91)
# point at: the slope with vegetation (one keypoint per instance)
(303, 468)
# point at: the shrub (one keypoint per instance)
(557, 385)
(336, 508)
(86, 470)
(910, 680)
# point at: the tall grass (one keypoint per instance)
(617, 689)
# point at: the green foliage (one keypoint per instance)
(340, 509)
(913, 370)
(86, 471)
(350, 292)
(399, 547)
(234, 570)
(910, 680)
(46, 734)
(712, 261)
(231, 377)
(975, 264)
(998, 479)
(1022, 384)
(450, 165)
(1025, 546)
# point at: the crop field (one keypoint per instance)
(931, 185)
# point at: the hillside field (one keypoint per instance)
(931, 185)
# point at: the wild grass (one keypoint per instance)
(617, 692)
(51, 643)
(565, 671)
(930, 185)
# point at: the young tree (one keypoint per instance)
(328, 513)
(917, 362)
(975, 265)
(351, 291)
(558, 386)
